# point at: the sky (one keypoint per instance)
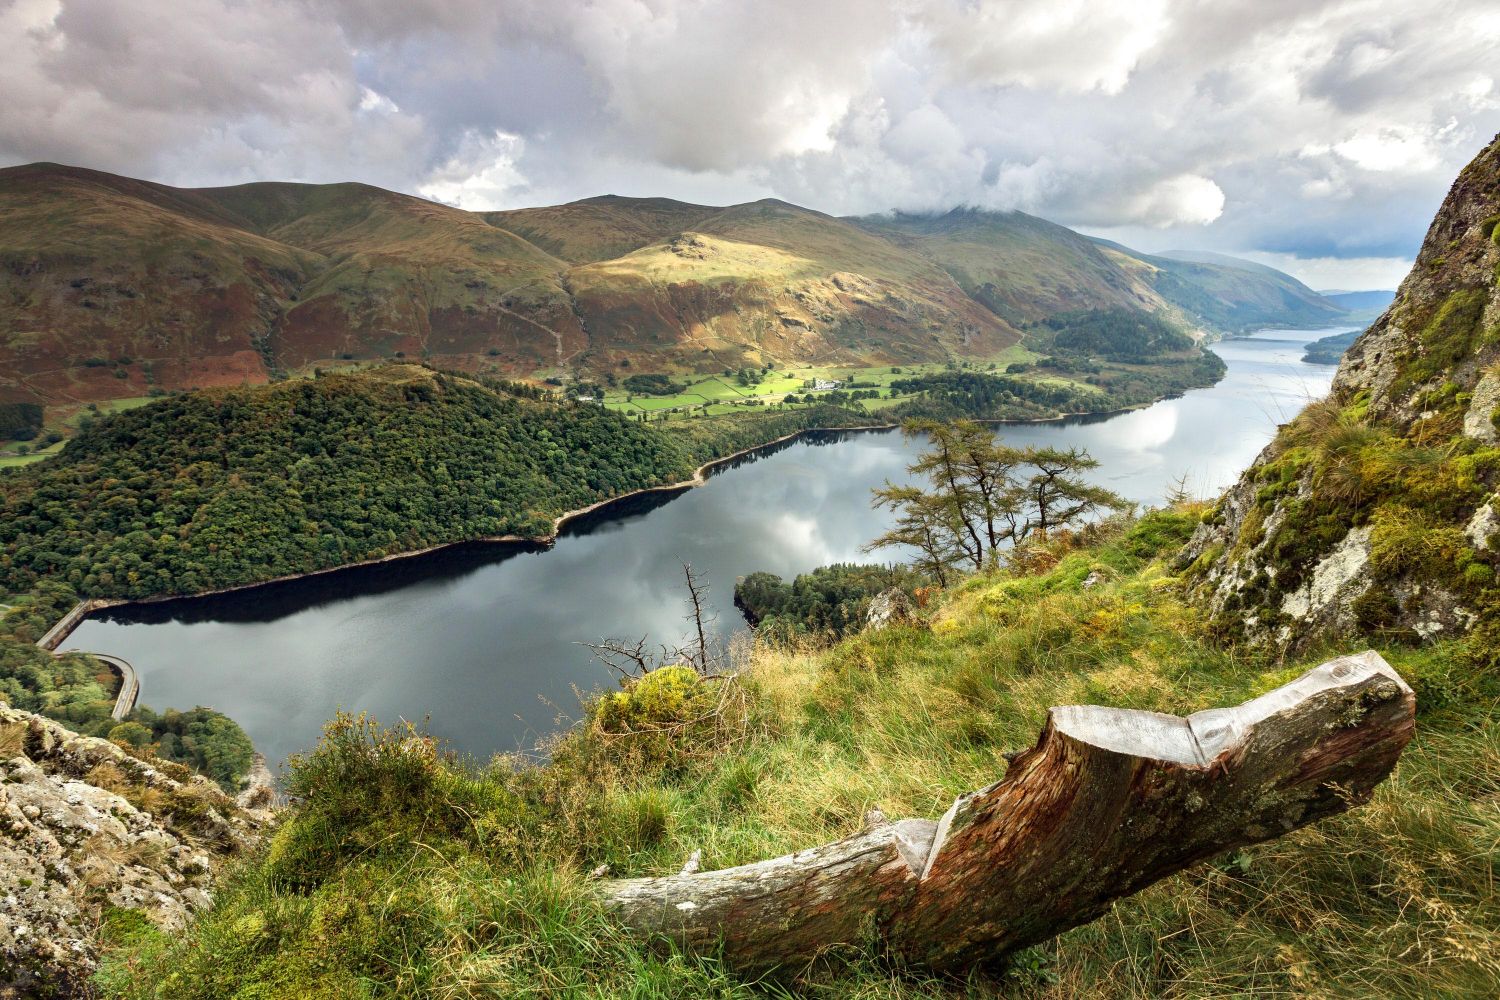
(1318, 137)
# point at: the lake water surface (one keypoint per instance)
(483, 639)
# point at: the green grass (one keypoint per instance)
(406, 874)
(779, 382)
(65, 420)
(16, 461)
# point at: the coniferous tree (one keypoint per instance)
(983, 495)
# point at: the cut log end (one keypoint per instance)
(1107, 802)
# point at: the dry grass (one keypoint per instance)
(440, 884)
(12, 740)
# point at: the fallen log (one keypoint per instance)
(1106, 803)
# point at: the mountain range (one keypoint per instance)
(113, 287)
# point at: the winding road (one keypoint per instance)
(130, 685)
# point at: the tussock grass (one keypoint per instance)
(12, 741)
(406, 873)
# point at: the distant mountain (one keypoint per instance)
(1228, 294)
(114, 287)
(1021, 267)
(1330, 350)
(1369, 304)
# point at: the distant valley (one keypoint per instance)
(113, 288)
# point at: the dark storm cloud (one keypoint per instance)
(1300, 129)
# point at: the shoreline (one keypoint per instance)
(80, 612)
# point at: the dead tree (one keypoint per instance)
(699, 617)
(1106, 803)
(703, 652)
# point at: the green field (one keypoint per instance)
(63, 420)
(722, 394)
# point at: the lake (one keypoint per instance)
(483, 640)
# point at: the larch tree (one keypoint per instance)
(983, 495)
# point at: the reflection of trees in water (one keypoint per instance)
(621, 511)
(271, 601)
(816, 438)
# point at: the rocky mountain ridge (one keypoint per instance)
(1374, 511)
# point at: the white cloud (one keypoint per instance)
(369, 100)
(1391, 149)
(1318, 128)
(1187, 199)
(1352, 273)
(481, 176)
(1070, 45)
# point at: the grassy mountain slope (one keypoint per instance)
(1021, 267)
(595, 229)
(116, 288)
(403, 274)
(771, 282)
(1228, 294)
(96, 269)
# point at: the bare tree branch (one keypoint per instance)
(626, 660)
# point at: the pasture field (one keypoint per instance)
(63, 420)
(723, 394)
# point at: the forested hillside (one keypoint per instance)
(226, 487)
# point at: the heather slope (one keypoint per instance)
(595, 229)
(402, 274)
(110, 286)
(769, 282)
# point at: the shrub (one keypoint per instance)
(666, 697)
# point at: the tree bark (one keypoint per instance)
(1106, 803)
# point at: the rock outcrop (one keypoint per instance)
(890, 607)
(1372, 512)
(86, 827)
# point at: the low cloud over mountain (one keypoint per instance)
(1303, 130)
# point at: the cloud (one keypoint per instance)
(1187, 199)
(1069, 45)
(1352, 273)
(1310, 129)
(480, 176)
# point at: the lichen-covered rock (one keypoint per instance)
(889, 607)
(1339, 578)
(1372, 510)
(85, 825)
